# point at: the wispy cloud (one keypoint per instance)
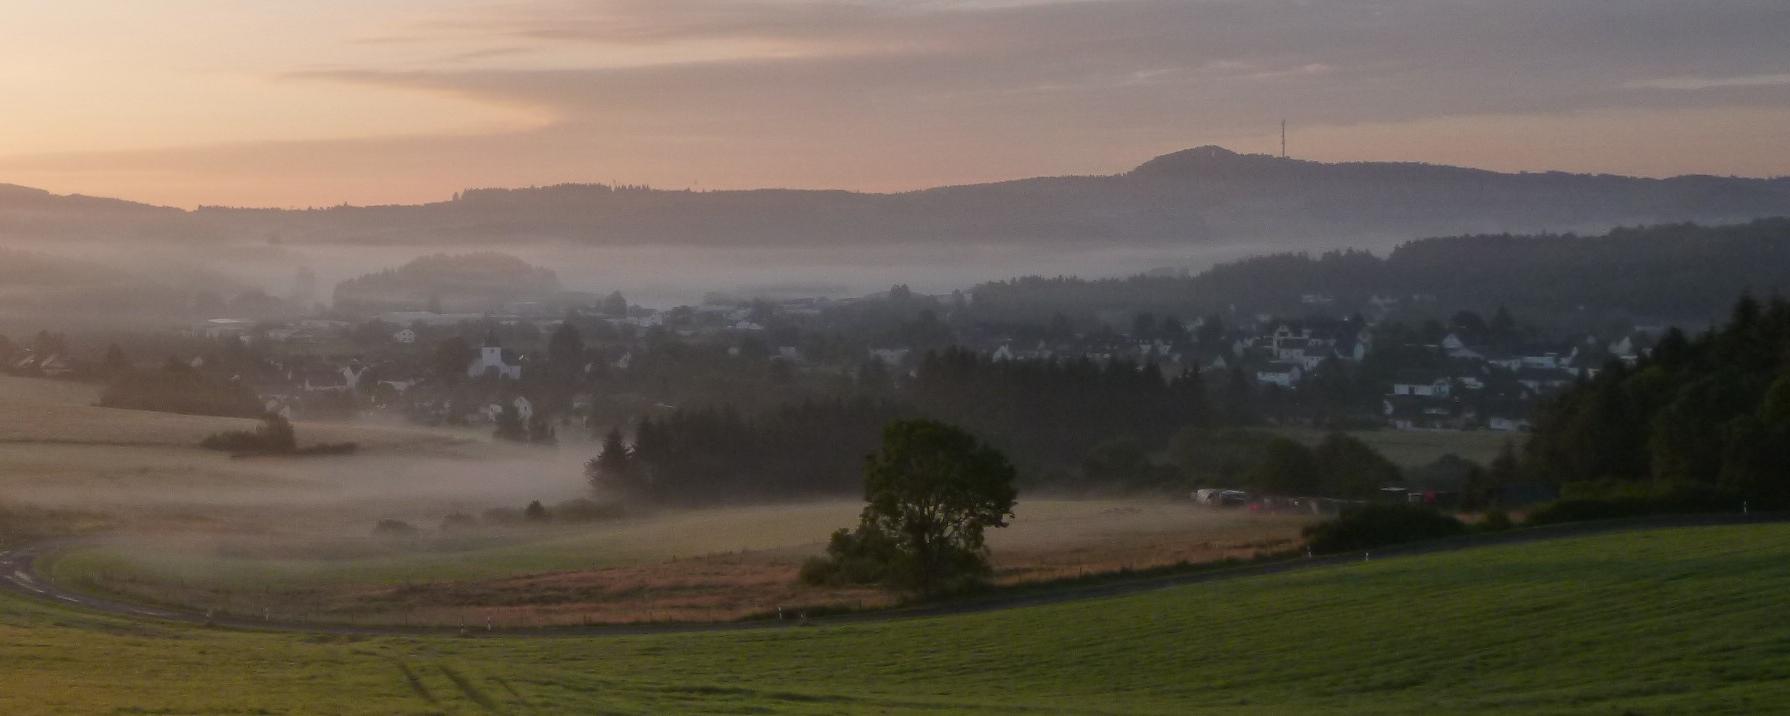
(1703, 83)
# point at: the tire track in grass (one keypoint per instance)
(468, 689)
(415, 682)
(504, 684)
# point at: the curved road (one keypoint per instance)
(18, 574)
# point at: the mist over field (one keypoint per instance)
(878, 356)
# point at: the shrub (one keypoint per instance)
(1379, 525)
(1495, 521)
(274, 437)
(394, 528)
(536, 512)
(854, 557)
(329, 449)
(1678, 501)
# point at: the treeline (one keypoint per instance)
(806, 449)
(177, 388)
(1052, 412)
(476, 281)
(1710, 413)
(1048, 415)
(1676, 272)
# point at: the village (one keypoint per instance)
(463, 368)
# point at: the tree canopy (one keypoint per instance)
(930, 493)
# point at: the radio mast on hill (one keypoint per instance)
(1283, 139)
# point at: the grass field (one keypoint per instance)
(1415, 448)
(38, 411)
(1677, 621)
(198, 528)
(712, 564)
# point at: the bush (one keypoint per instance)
(274, 437)
(329, 449)
(1495, 521)
(1379, 525)
(1683, 501)
(853, 557)
(394, 528)
(536, 512)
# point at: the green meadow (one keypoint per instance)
(1672, 621)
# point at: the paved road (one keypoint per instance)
(18, 574)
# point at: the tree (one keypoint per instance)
(931, 491)
(535, 512)
(541, 430)
(614, 467)
(1352, 468)
(1287, 468)
(451, 358)
(116, 363)
(510, 425)
(565, 350)
(1117, 463)
(1211, 331)
(615, 305)
(1143, 326)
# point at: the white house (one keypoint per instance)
(491, 358)
(1457, 348)
(1285, 375)
(890, 356)
(1436, 388)
(524, 409)
(1508, 424)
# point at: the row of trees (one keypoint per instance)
(711, 455)
(1050, 412)
(1710, 412)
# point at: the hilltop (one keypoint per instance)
(1202, 194)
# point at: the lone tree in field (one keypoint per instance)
(615, 467)
(931, 491)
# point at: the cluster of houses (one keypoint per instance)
(1465, 385)
(1478, 387)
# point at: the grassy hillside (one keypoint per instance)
(1685, 620)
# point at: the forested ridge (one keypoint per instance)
(1674, 273)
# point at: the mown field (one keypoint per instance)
(38, 411)
(193, 527)
(1675, 621)
(704, 565)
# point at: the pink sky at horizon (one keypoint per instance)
(190, 102)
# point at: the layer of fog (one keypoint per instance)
(662, 277)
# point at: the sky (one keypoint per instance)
(323, 102)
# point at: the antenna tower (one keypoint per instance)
(1283, 139)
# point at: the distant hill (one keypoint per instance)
(1202, 194)
(465, 282)
(1673, 273)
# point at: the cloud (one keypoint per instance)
(1703, 83)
